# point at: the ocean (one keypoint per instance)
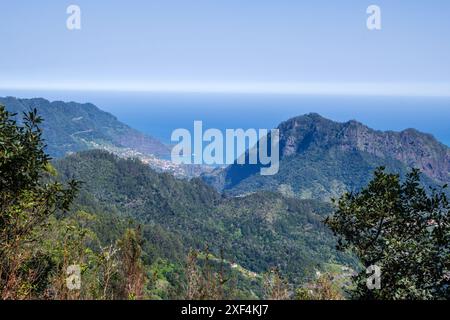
(158, 114)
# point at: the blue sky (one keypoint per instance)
(218, 45)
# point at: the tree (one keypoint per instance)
(27, 199)
(207, 280)
(133, 275)
(403, 229)
(275, 287)
(322, 288)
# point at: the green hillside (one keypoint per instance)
(259, 231)
(71, 127)
(322, 159)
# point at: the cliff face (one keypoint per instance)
(411, 147)
(321, 159)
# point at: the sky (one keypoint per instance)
(282, 46)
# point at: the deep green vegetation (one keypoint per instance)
(135, 233)
(322, 159)
(132, 230)
(404, 230)
(258, 232)
(71, 127)
(44, 235)
(26, 203)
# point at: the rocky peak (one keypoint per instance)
(411, 147)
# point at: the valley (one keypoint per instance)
(248, 223)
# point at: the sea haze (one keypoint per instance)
(158, 114)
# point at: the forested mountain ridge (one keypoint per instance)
(321, 159)
(258, 232)
(71, 127)
(134, 233)
(411, 147)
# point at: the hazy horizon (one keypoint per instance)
(287, 46)
(158, 114)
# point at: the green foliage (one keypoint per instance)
(166, 280)
(26, 201)
(41, 235)
(178, 215)
(321, 159)
(71, 127)
(401, 228)
(312, 174)
(131, 229)
(276, 288)
(131, 268)
(203, 282)
(322, 288)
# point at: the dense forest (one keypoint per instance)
(95, 226)
(322, 159)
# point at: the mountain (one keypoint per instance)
(71, 127)
(258, 232)
(320, 158)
